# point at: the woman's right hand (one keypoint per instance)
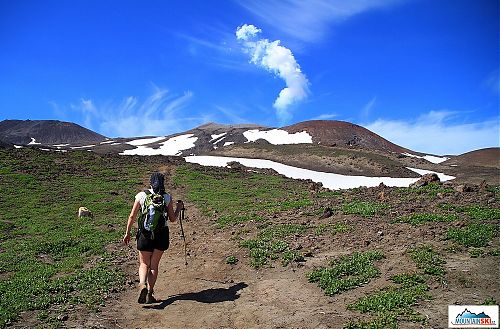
(126, 239)
(179, 205)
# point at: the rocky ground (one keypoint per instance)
(209, 293)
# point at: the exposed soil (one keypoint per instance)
(208, 293)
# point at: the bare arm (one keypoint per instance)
(131, 218)
(173, 215)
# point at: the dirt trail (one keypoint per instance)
(208, 293)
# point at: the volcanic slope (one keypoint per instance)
(263, 251)
(46, 132)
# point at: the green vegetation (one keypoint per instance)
(433, 189)
(489, 301)
(429, 190)
(483, 213)
(48, 256)
(329, 194)
(363, 208)
(427, 260)
(393, 304)
(494, 252)
(495, 190)
(476, 252)
(347, 272)
(236, 197)
(269, 244)
(474, 211)
(331, 228)
(473, 235)
(419, 218)
(231, 260)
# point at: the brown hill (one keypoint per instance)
(489, 157)
(22, 132)
(340, 133)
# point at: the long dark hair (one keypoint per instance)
(157, 182)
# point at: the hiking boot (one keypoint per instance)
(151, 299)
(142, 294)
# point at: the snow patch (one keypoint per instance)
(60, 145)
(430, 158)
(18, 147)
(329, 180)
(107, 142)
(442, 177)
(278, 136)
(144, 141)
(172, 146)
(228, 143)
(81, 147)
(217, 138)
(33, 142)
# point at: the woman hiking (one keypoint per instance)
(154, 206)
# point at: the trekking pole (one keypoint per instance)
(181, 218)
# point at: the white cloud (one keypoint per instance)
(309, 21)
(492, 82)
(367, 109)
(161, 113)
(280, 61)
(433, 133)
(325, 116)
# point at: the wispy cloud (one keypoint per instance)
(280, 61)
(492, 82)
(436, 133)
(367, 109)
(309, 21)
(162, 113)
(231, 115)
(325, 116)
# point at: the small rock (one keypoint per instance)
(62, 317)
(380, 233)
(440, 195)
(463, 188)
(426, 179)
(367, 243)
(327, 213)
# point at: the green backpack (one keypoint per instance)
(153, 214)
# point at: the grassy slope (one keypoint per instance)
(53, 260)
(267, 214)
(48, 257)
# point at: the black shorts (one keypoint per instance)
(146, 241)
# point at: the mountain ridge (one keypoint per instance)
(322, 145)
(46, 132)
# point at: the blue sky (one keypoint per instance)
(422, 73)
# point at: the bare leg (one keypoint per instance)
(144, 265)
(153, 268)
